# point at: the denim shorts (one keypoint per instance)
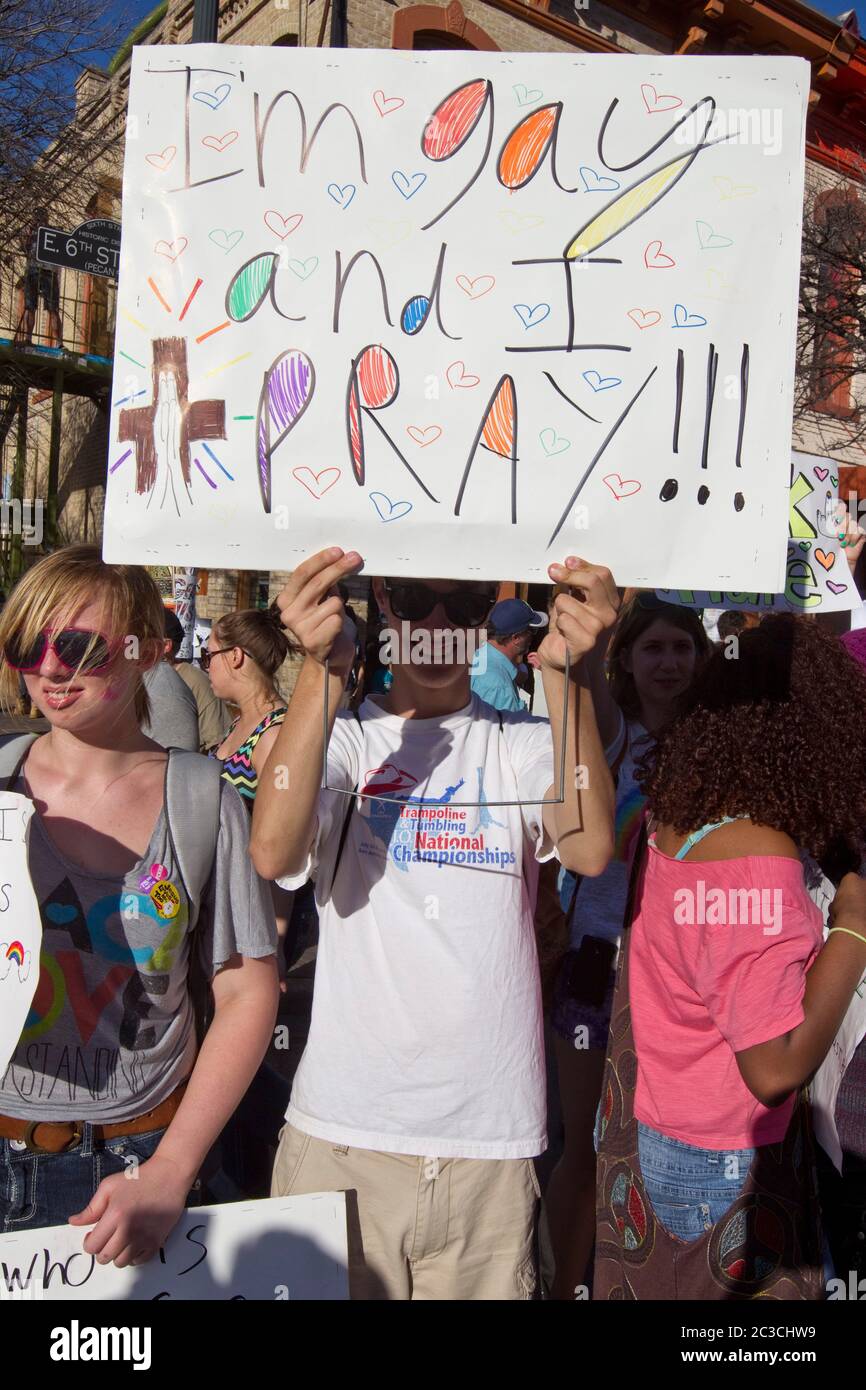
(38, 1189)
(690, 1189)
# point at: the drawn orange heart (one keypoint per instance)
(644, 318)
(171, 249)
(482, 284)
(827, 561)
(163, 159)
(313, 481)
(220, 142)
(458, 377)
(423, 437)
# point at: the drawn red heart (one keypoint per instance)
(171, 249)
(644, 318)
(482, 284)
(313, 481)
(458, 377)
(621, 487)
(653, 102)
(385, 105)
(424, 436)
(387, 779)
(220, 142)
(826, 559)
(282, 226)
(163, 159)
(654, 258)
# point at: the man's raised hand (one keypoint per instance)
(312, 611)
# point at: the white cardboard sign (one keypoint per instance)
(466, 313)
(817, 577)
(20, 923)
(283, 1248)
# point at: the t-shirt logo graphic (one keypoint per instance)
(387, 781)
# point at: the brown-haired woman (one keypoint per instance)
(244, 652)
(653, 655)
(728, 998)
(106, 1078)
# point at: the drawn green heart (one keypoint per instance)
(834, 481)
(805, 545)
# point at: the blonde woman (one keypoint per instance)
(107, 1075)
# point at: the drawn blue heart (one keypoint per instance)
(226, 241)
(597, 183)
(530, 317)
(213, 99)
(61, 913)
(601, 383)
(683, 319)
(407, 185)
(343, 195)
(394, 509)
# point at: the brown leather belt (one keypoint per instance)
(56, 1137)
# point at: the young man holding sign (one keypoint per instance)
(422, 1088)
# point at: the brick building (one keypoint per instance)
(836, 154)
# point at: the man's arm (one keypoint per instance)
(284, 817)
(582, 827)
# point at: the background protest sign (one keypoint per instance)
(466, 313)
(280, 1248)
(817, 577)
(20, 923)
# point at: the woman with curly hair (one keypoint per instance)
(728, 998)
(652, 659)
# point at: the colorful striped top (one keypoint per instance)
(238, 766)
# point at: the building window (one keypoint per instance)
(427, 27)
(286, 41)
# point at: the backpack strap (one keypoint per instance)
(193, 794)
(13, 752)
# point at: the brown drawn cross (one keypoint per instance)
(200, 419)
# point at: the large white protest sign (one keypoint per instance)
(20, 923)
(285, 1248)
(466, 313)
(817, 577)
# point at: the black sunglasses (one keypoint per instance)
(412, 601)
(76, 647)
(207, 656)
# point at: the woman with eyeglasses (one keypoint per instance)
(652, 659)
(244, 652)
(106, 1080)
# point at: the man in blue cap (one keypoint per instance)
(495, 664)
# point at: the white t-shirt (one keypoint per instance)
(426, 1032)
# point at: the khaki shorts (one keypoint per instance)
(423, 1228)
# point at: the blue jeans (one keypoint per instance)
(38, 1189)
(690, 1189)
